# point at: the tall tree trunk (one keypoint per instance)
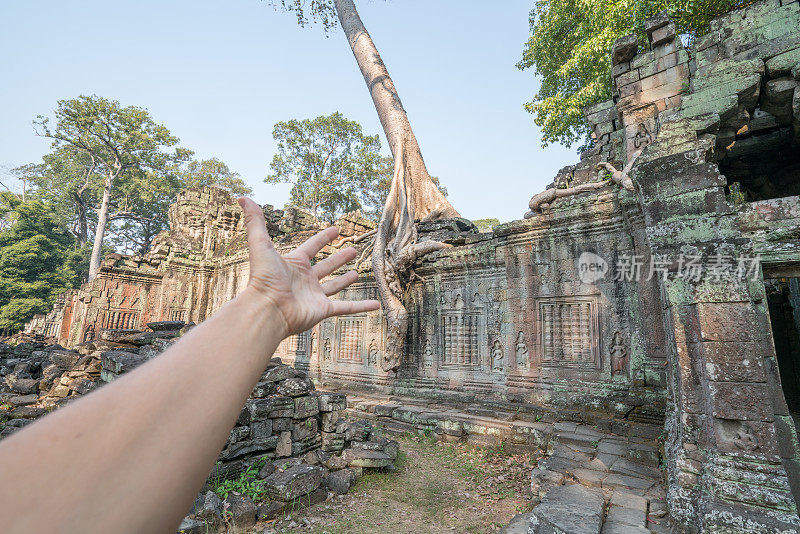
(83, 223)
(102, 219)
(412, 195)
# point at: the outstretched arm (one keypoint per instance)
(131, 456)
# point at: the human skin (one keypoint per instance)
(131, 456)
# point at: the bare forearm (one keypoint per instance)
(147, 442)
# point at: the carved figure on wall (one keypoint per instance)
(497, 357)
(619, 355)
(427, 358)
(372, 354)
(745, 439)
(522, 352)
(312, 343)
(642, 137)
(326, 350)
(458, 303)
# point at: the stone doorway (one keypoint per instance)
(783, 296)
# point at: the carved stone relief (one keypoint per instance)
(521, 350)
(569, 327)
(326, 350)
(497, 357)
(372, 354)
(618, 355)
(349, 334)
(428, 355)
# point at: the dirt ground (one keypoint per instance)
(436, 487)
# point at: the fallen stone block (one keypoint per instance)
(367, 458)
(158, 326)
(572, 509)
(207, 508)
(24, 400)
(274, 509)
(192, 526)
(64, 359)
(240, 510)
(330, 402)
(340, 481)
(294, 482)
(295, 387)
(305, 407)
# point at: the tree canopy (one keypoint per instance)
(569, 51)
(38, 260)
(332, 165)
(113, 171)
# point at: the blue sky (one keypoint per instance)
(219, 74)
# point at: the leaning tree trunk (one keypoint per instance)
(412, 195)
(102, 220)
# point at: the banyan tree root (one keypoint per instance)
(541, 200)
(412, 194)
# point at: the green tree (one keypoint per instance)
(332, 166)
(569, 51)
(66, 181)
(213, 172)
(121, 142)
(486, 225)
(38, 260)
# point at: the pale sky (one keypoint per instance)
(219, 74)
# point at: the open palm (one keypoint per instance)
(291, 283)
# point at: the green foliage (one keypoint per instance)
(486, 225)
(309, 11)
(213, 172)
(98, 143)
(38, 260)
(333, 167)
(246, 484)
(569, 50)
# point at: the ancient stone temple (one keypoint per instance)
(666, 297)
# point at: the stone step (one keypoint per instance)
(572, 509)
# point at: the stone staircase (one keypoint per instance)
(588, 481)
(592, 482)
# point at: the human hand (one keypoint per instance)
(291, 283)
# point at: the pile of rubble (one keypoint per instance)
(280, 486)
(290, 444)
(37, 377)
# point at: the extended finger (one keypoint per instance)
(331, 287)
(257, 235)
(314, 244)
(258, 240)
(331, 263)
(346, 307)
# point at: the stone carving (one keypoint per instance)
(497, 357)
(460, 336)
(745, 439)
(326, 350)
(427, 359)
(372, 354)
(521, 352)
(642, 137)
(619, 355)
(569, 331)
(349, 333)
